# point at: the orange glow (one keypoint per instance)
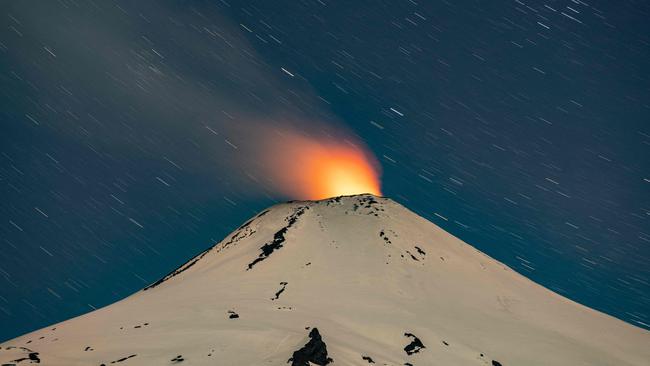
(310, 168)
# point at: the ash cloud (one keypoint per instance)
(150, 82)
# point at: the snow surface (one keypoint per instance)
(369, 274)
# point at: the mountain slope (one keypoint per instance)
(353, 280)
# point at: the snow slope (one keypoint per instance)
(381, 284)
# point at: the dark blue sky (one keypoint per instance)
(523, 128)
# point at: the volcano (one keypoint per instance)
(352, 280)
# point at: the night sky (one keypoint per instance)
(521, 127)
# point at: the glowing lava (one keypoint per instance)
(339, 171)
(316, 168)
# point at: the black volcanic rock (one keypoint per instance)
(415, 346)
(315, 351)
(278, 238)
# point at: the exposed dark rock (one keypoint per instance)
(32, 356)
(333, 200)
(383, 235)
(277, 294)
(315, 351)
(369, 203)
(422, 252)
(415, 346)
(496, 363)
(368, 358)
(232, 315)
(412, 256)
(178, 359)
(123, 359)
(278, 238)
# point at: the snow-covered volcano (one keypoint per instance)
(353, 280)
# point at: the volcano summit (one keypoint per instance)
(353, 280)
